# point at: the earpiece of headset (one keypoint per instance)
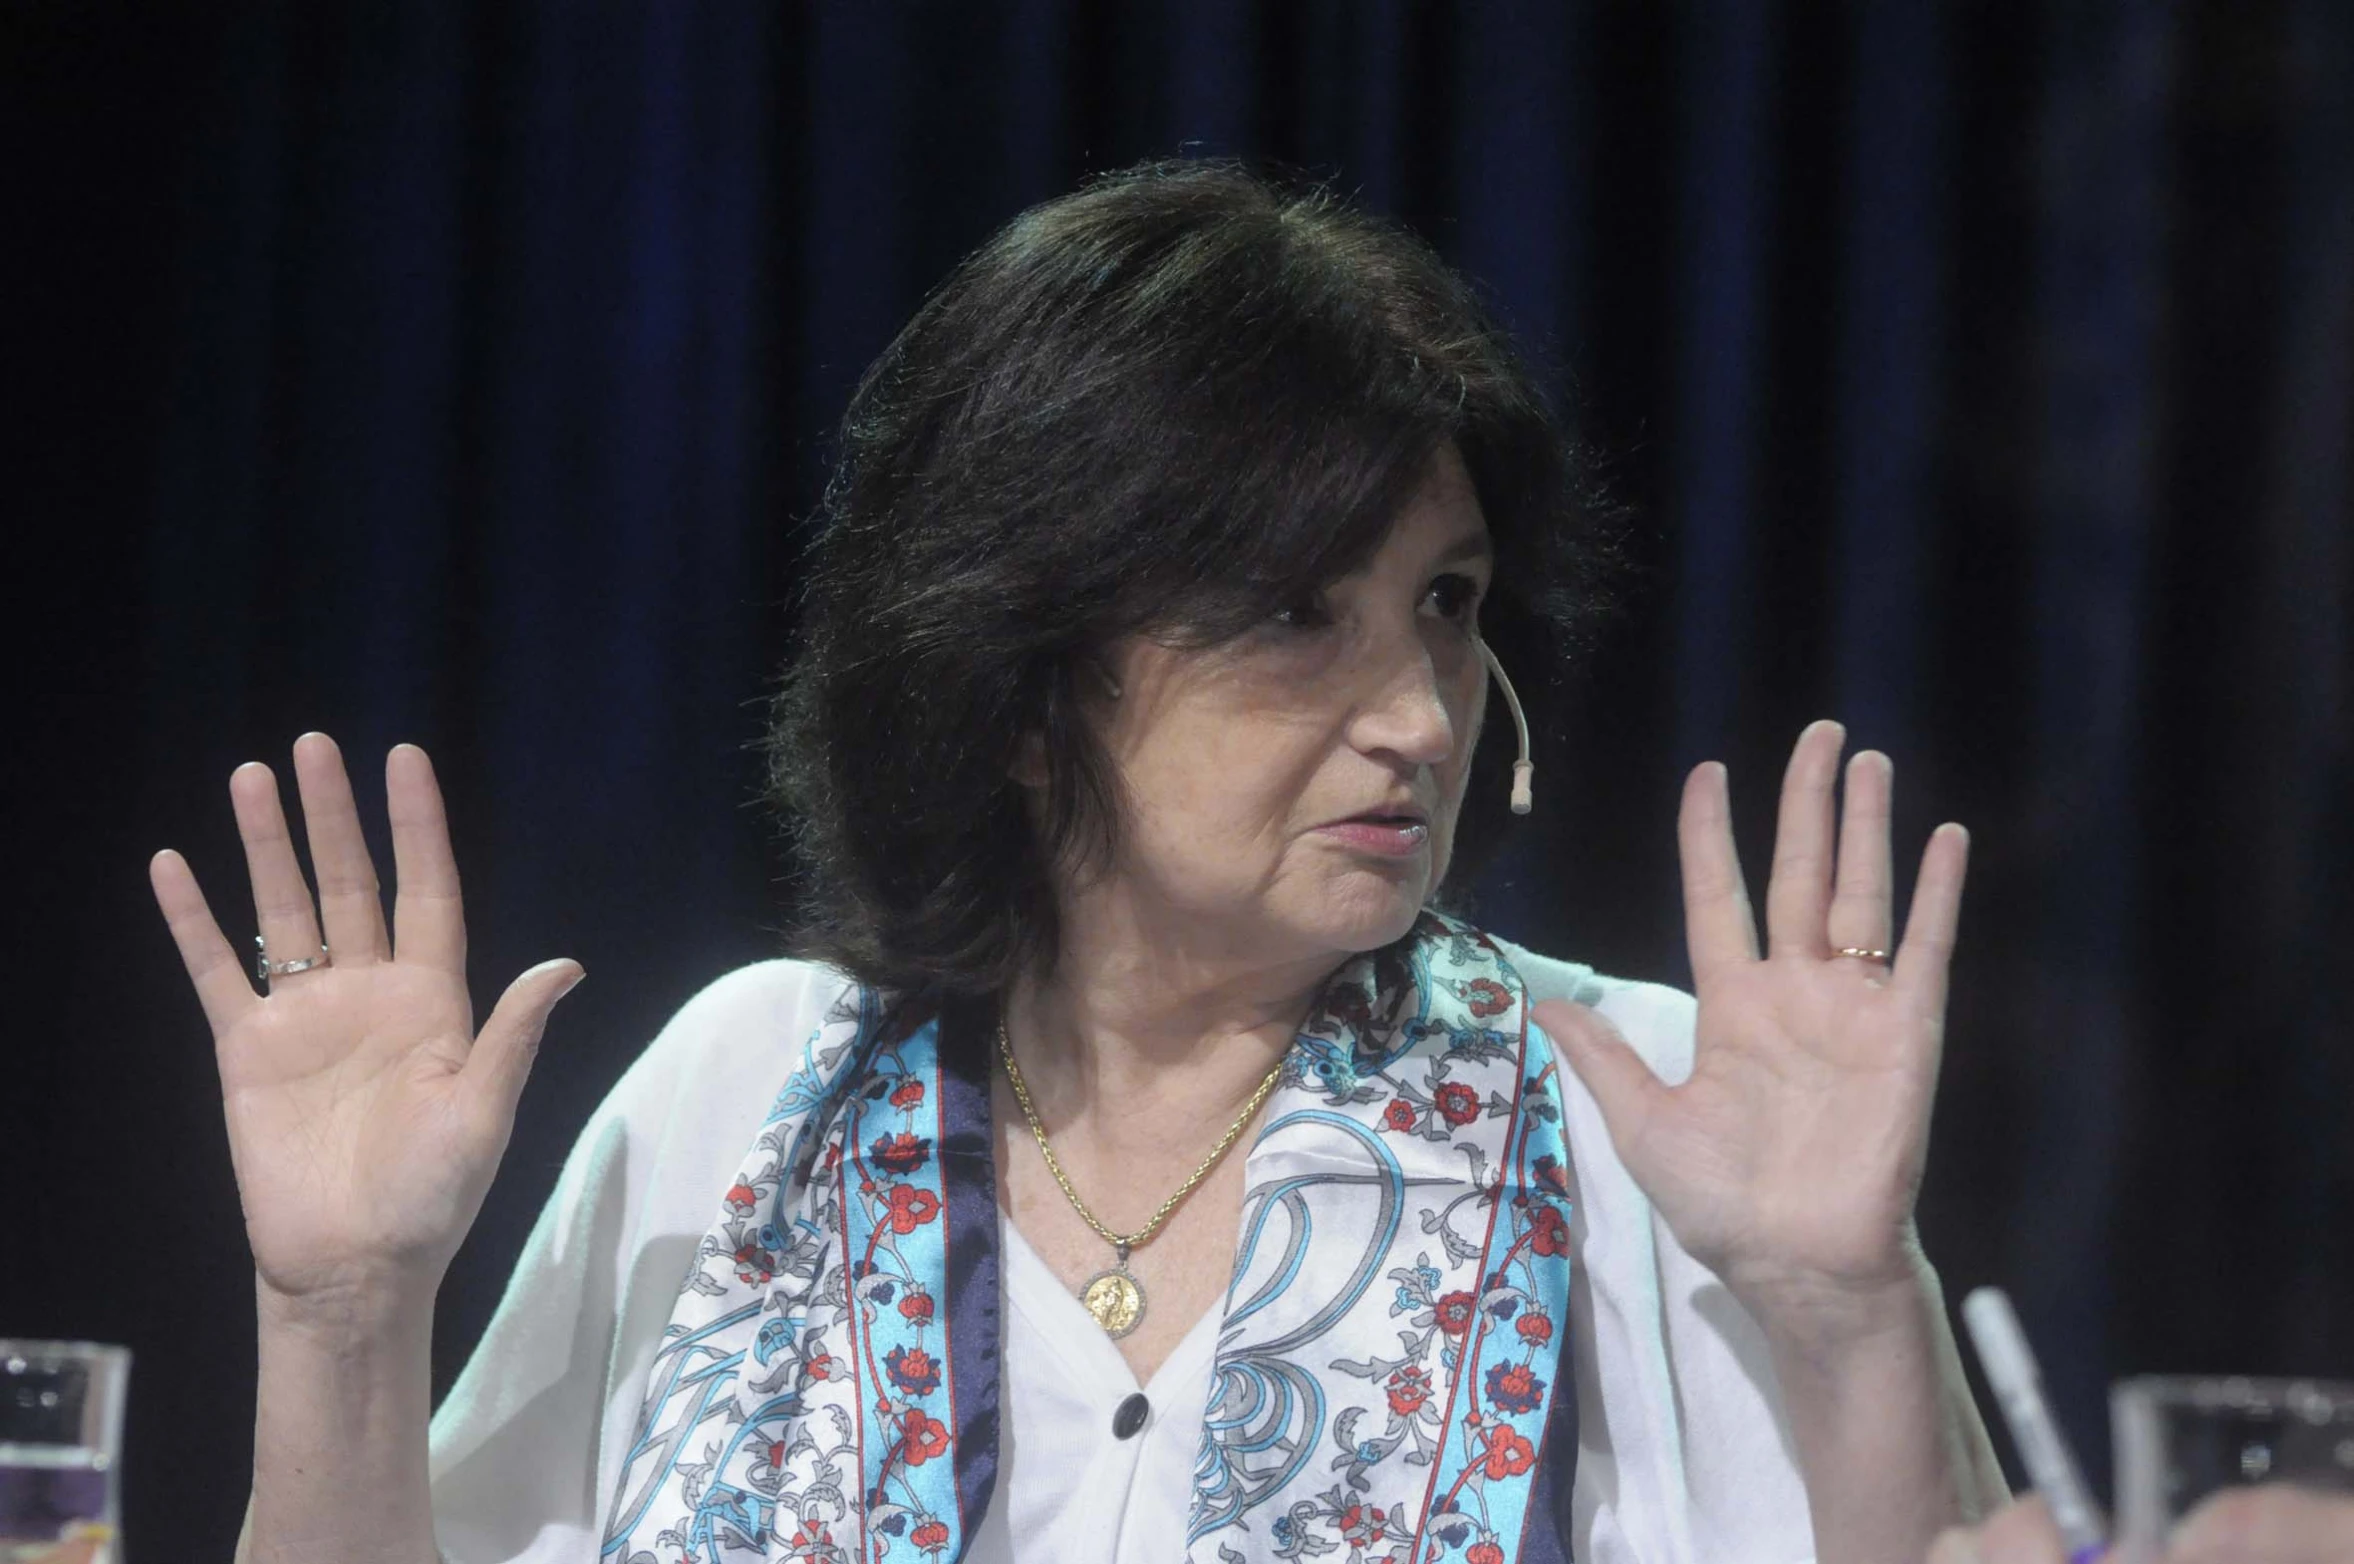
(1524, 770)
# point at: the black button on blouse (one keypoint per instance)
(1130, 1416)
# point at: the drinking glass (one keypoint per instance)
(61, 1426)
(2179, 1438)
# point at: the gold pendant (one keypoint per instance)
(1115, 1297)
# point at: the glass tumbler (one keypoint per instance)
(2179, 1438)
(61, 1427)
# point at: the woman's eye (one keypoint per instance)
(1454, 596)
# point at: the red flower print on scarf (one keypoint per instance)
(1535, 1329)
(925, 1438)
(911, 1208)
(1512, 1388)
(1552, 1174)
(900, 1154)
(1399, 1115)
(1409, 1387)
(1455, 1311)
(753, 1264)
(931, 1536)
(1362, 1523)
(1486, 997)
(1552, 1233)
(1483, 1553)
(908, 1093)
(741, 1198)
(1457, 1103)
(913, 1370)
(1508, 1455)
(917, 1306)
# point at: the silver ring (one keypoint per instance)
(1861, 954)
(265, 969)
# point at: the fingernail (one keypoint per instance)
(561, 961)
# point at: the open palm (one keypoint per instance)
(1791, 1156)
(365, 1116)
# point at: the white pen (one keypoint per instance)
(2018, 1389)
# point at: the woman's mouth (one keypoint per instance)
(1388, 835)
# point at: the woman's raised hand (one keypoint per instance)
(366, 1116)
(1790, 1159)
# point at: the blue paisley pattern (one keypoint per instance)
(1391, 1360)
(1391, 1382)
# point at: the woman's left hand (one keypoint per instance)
(1789, 1160)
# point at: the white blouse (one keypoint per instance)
(1683, 1455)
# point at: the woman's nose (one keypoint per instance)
(1408, 715)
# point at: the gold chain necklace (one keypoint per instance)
(1114, 1296)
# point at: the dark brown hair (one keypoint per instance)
(1173, 402)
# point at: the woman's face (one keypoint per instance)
(1293, 793)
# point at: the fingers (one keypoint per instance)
(501, 1059)
(1927, 952)
(281, 899)
(2020, 1533)
(1719, 928)
(2276, 1523)
(1622, 1084)
(212, 962)
(1955, 1546)
(1818, 901)
(350, 901)
(1861, 901)
(1798, 897)
(428, 916)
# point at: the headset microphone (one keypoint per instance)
(1524, 770)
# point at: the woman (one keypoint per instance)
(1134, 734)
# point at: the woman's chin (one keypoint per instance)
(1361, 917)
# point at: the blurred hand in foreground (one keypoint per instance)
(2274, 1523)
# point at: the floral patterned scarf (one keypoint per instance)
(1392, 1381)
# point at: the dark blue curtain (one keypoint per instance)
(1982, 375)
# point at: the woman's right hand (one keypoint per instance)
(365, 1114)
